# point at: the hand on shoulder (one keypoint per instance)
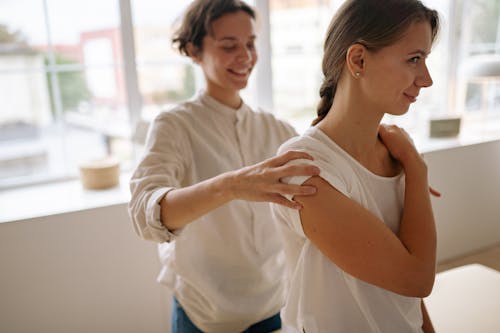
(401, 146)
(262, 181)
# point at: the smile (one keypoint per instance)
(240, 73)
(412, 99)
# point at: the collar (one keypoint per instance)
(222, 109)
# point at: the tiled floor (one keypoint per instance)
(488, 257)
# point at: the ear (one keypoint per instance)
(193, 52)
(355, 60)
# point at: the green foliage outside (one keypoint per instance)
(11, 37)
(72, 86)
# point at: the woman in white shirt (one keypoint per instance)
(362, 251)
(202, 190)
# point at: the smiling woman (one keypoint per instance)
(227, 56)
(362, 251)
(207, 169)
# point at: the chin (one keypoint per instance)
(240, 85)
(403, 109)
(400, 112)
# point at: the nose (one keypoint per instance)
(244, 55)
(424, 79)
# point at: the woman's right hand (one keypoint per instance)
(400, 146)
(262, 181)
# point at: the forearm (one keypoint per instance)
(182, 206)
(259, 182)
(417, 230)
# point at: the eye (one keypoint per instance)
(251, 46)
(414, 60)
(229, 47)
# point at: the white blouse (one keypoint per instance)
(226, 268)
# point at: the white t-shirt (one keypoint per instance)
(226, 268)
(322, 298)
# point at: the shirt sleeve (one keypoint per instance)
(291, 217)
(160, 170)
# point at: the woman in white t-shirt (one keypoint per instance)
(202, 190)
(361, 253)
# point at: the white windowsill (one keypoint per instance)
(471, 133)
(69, 196)
(57, 198)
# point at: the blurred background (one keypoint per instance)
(77, 76)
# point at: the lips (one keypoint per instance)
(411, 98)
(240, 72)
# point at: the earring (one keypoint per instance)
(357, 74)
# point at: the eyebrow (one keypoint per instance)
(422, 52)
(230, 38)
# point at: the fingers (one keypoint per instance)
(386, 131)
(434, 192)
(393, 130)
(383, 130)
(296, 170)
(288, 156)
(292, 189)
(281, 200)
(383, 133)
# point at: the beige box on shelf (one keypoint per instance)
(100, 174)
(444, 127)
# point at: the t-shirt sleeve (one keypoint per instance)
(291, 217)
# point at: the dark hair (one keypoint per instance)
(372, 23)
(197, 21)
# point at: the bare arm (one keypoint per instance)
(427, 323)
(259, 182)
(363, 246)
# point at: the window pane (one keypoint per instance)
(482, 29)
(25, 111)
(297, 32)
(481, 60)
(65, 81)
(24, 117)
(164, 76)
(20, 32)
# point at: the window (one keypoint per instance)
(62, 87)
(297, 32)
(76, 76)
(480, 60)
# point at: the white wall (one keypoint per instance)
(468, 213)
(88, 272)
(81, 272)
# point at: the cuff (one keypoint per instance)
(159, 232)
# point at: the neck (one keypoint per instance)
(352, 124)
(227, 97)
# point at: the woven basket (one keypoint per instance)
(100, 174)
